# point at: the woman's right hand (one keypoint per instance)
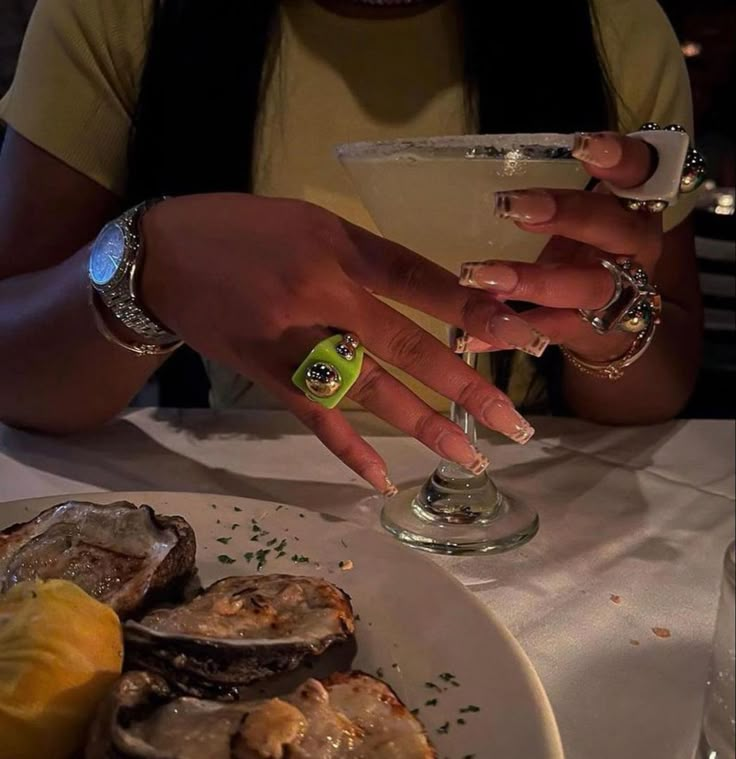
(254, 283)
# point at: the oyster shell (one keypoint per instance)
(120, 554)
(348, 716)
(239, 630)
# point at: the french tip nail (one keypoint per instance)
(537, 346)
(579, 144)
(390, 490)
(480, 463)
(501, 416)
(596, 149)
(512, 329)
(502, 206)
(524, 435)
(467, 275)
(533, 206)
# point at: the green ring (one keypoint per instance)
(325, 351)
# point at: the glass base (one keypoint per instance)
(455, 512)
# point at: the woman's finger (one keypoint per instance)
(555, 285)
(566, 327)
(336, 433)
(592, 218)
(395, 272)
(398, 341)
(623, 161)
(383, 395)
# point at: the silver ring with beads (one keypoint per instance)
(635, 306)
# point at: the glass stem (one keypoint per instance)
(448, 470)
(453, 494)
(458, 414)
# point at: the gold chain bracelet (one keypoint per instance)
(613, 370)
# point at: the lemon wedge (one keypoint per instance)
(60, 652)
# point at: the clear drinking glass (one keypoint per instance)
(436, 196)
(718, 734)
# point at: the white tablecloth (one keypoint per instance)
(634, 526)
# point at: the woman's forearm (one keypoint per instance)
(654, 389)
(58, 374)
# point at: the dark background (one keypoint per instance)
(707, 31)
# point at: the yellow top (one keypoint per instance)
(76, 84)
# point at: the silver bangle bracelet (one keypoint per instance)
(139, 349)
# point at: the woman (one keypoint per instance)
(235, 107)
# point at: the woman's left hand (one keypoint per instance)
(585, 227)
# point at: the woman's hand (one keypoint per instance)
(585, 226)
(254, 283)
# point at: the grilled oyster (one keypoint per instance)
(120, 554)
(348, 716)
(239, 630)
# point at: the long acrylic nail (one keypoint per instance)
(599, 149)
(502, 416)
(389, 490)
(498, 278)
(377, 477)
(530, 206)
(456, 447)
(518, 334)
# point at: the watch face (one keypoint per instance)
(107, 255)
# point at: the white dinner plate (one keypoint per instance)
(421, 630)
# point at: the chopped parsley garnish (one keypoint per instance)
(235, 526)
(414, 712)
(460, 721)
(224, 541)
(447, 676)
(469, 708)
(444, 729)
(271, 542)
(237, 508)
(431, 702)
(432, 685)
(248, 556)
(225, 559)
(261, 556)
(300, 559)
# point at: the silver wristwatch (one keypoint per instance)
(114, 263)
